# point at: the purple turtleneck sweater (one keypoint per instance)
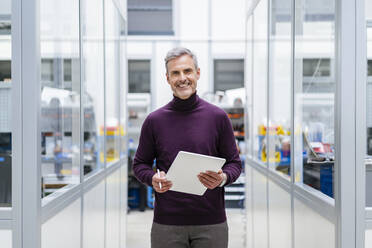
(191, 125)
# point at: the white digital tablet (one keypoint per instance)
(185, 169)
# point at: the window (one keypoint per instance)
(60, 106)
(139, 76)
(228, 74)
(5, 70)
(314, 100)
(370, 68)
(147, 17)
(5, 108)
(279, 139)
(47, 70)
(5, 26)
(67, 70)
(316, 67)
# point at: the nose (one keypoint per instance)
(182, 77)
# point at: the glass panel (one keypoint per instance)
(60, 94)
(260, 81)
(5, 105)
(228, 74)
(139, 76)
(369, 121)
(280, 87)
(123, 93)
(93, 81)
(112, 80)
(249, 87)
(314, 94)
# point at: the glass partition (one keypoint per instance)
(123, 90)
(5, 105)
(369, 119)
(314, 74)
(280, 87)
(113, 130)
(60, 94)
(93, 84)
(249, 87)
(260, 66)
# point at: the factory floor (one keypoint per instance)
(139, 225)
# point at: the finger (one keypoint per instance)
(209, 177)
(166, 183)
(160, 180)
(213, 174)
(206, 183)
(206, 179)
(162, 174)
(163, 190)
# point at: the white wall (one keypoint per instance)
(6, 238)
(369, 9)
(94, 217)
(280, 227)
(311, 229)
(368, 239)
(192, 21)
(63, 229)
(113, 210)
(5, 7)
(228, 19)
(260, 228)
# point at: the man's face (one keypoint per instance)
(182, 76)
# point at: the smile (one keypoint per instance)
(184, 85)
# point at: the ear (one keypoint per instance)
(198, 73)
(167, 76)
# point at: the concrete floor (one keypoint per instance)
(139, 225)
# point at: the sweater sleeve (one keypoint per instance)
(228, 150)
(145, 154)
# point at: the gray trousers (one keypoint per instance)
(203, 236)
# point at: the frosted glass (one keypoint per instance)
(63, 229)
(113, 208)
(312, 230)
(6, 238)
(259, 210)
(94, 217)
(280, 217)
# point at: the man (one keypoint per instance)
(187, 123)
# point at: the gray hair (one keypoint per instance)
(178, 52)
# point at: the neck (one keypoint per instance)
(185, 104)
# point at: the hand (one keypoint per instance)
(211, 179)
(165, 184)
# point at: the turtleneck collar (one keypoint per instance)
(185, 105)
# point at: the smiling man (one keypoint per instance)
(187, 123)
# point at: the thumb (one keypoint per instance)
(162, 174)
